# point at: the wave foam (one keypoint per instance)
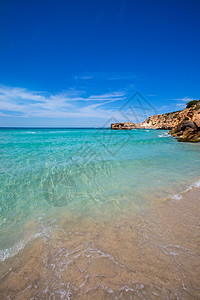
(164, 135)
(30, 132)
(10, 252)
(44, 232)
(180, 196)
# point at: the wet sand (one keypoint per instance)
(151, 255)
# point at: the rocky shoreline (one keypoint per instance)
(184, 124)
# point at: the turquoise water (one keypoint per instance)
(88, 172)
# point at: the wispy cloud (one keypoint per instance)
(106, 76)
(84, 77)
(16, 101)
(181, 102)
(184, 99)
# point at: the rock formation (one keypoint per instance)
(123, 126)
(165, 121)
(170, 120)
(183, 124)
(187, 131)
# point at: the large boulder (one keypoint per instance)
(197, 121)
(186, 124)
(186, 131)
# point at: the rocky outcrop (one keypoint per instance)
(123, 126)
(170, 120)
(165, 121)
(187, 131)
(183, 124)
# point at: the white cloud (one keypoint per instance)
(69, 104)
(106, 76)
(181, 102)
(184, 99)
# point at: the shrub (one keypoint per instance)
(191, 103)
(198, 106)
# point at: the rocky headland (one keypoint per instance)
(183, 124)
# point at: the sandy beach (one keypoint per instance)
(155, 255)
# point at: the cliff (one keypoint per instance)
(184, 124)
(164, 121)
(171, 120)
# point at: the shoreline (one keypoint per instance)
(155, 253)
(15, 249)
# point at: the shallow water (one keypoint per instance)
(82, 215)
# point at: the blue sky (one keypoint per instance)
(75, 63)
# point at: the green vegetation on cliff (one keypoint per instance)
(191, 103)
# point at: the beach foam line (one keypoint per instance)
(191, 186)
(12, 251)
(44, 232)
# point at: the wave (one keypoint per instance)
(30, 132)
(191, 186)
(44, 232)
(165, 134)
(12, 251)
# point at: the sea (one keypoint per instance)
(80, 214)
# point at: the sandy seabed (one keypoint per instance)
(153, 255)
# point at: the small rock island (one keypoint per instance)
(183, 124)
(123, 126)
